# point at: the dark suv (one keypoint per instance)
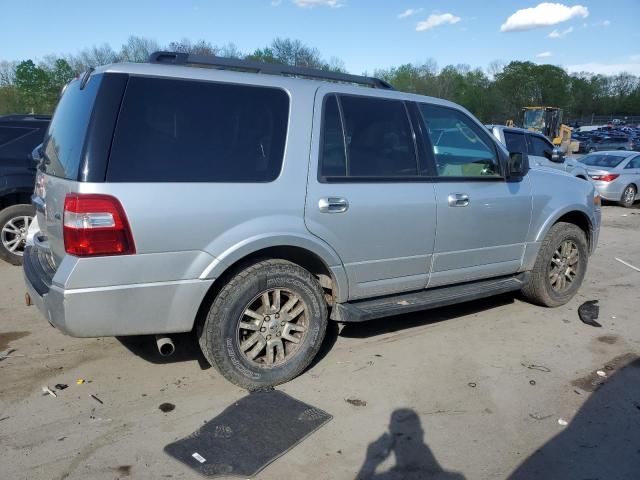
(19, 136)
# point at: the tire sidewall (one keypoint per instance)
(576, 235)
(7, 214)
(224, 341)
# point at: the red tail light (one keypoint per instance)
(96, 225)
(609, 177)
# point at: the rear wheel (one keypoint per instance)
(560, 266)
(14, 224)
(628, 196)
(266, 325)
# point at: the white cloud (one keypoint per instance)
(604, 23)
(409, 12)
(605, 68)
(318, 3)
(544, 55)
(275, 3)
(559, 34)
(435, 20)
(543, 15)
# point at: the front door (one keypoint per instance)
(482, 218)
(365, 197)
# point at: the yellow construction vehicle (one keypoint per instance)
(548, 121)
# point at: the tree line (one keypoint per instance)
(493, 95)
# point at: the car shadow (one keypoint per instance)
(602, 440)
(413, 458)
(187, 349)
(385, 325)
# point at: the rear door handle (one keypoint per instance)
(333, 205)
(458, 200)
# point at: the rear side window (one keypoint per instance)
(377, 135)
(65, 140)
(8, 134)
(515, 142)
(333, 156)
(461, 147)
(188, 131)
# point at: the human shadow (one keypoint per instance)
(602, 441)
(413, 458)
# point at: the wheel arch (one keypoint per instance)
(575, 216)
(313, 255)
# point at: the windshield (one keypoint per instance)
(65, 139)
(534, 119)
(607, 161)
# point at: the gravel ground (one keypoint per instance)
(474, 391)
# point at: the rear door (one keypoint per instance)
(365, 195)
(482, 219)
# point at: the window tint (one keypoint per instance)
(188, 131)
(65, 139)
(539, 146)
(7, 134)
(461, 148)
(334, 163)
(634, 163)
(515, 142)
(378, 138)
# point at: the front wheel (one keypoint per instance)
(559, 268)
(266, 325)
(14, 224)
(628, 196)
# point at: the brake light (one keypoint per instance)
(609, 177)
(96, 225)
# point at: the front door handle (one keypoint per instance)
(458, 200)
(333, 205)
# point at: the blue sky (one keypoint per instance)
(595, 35)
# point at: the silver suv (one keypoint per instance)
(251, 208)
(542, 153)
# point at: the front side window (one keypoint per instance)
(539, 146)
(190, 131)
(460, 147)
(515, 142)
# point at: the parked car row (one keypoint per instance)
(608, 138)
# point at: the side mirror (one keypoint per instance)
(557, 155)
(518, 165)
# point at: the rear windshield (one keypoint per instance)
(190, 131)
(65, 139)
(608, 161)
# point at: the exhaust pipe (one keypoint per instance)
(165, 345)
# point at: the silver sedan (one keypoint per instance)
(616, 175)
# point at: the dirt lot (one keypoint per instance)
(488, 382)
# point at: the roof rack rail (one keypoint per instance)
(180, 58)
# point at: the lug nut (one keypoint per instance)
(278, 334)
(268, 337)
(263, 329)
(277, 315)
(267, 318)
(282, 324)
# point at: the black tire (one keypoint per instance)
(219, 334)
(627, 200)
(13, 214)
(539, 288)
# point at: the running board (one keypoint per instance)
(362, 310)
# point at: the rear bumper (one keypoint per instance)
(117, 310)
(611, 191)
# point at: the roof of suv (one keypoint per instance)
(264, 79)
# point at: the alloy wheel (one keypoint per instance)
(14, 234)
(564, 266)
(271, 327)
(629, 195)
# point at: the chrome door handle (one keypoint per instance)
(458, 200)
(333, 205)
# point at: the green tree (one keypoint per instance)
(31, 83)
